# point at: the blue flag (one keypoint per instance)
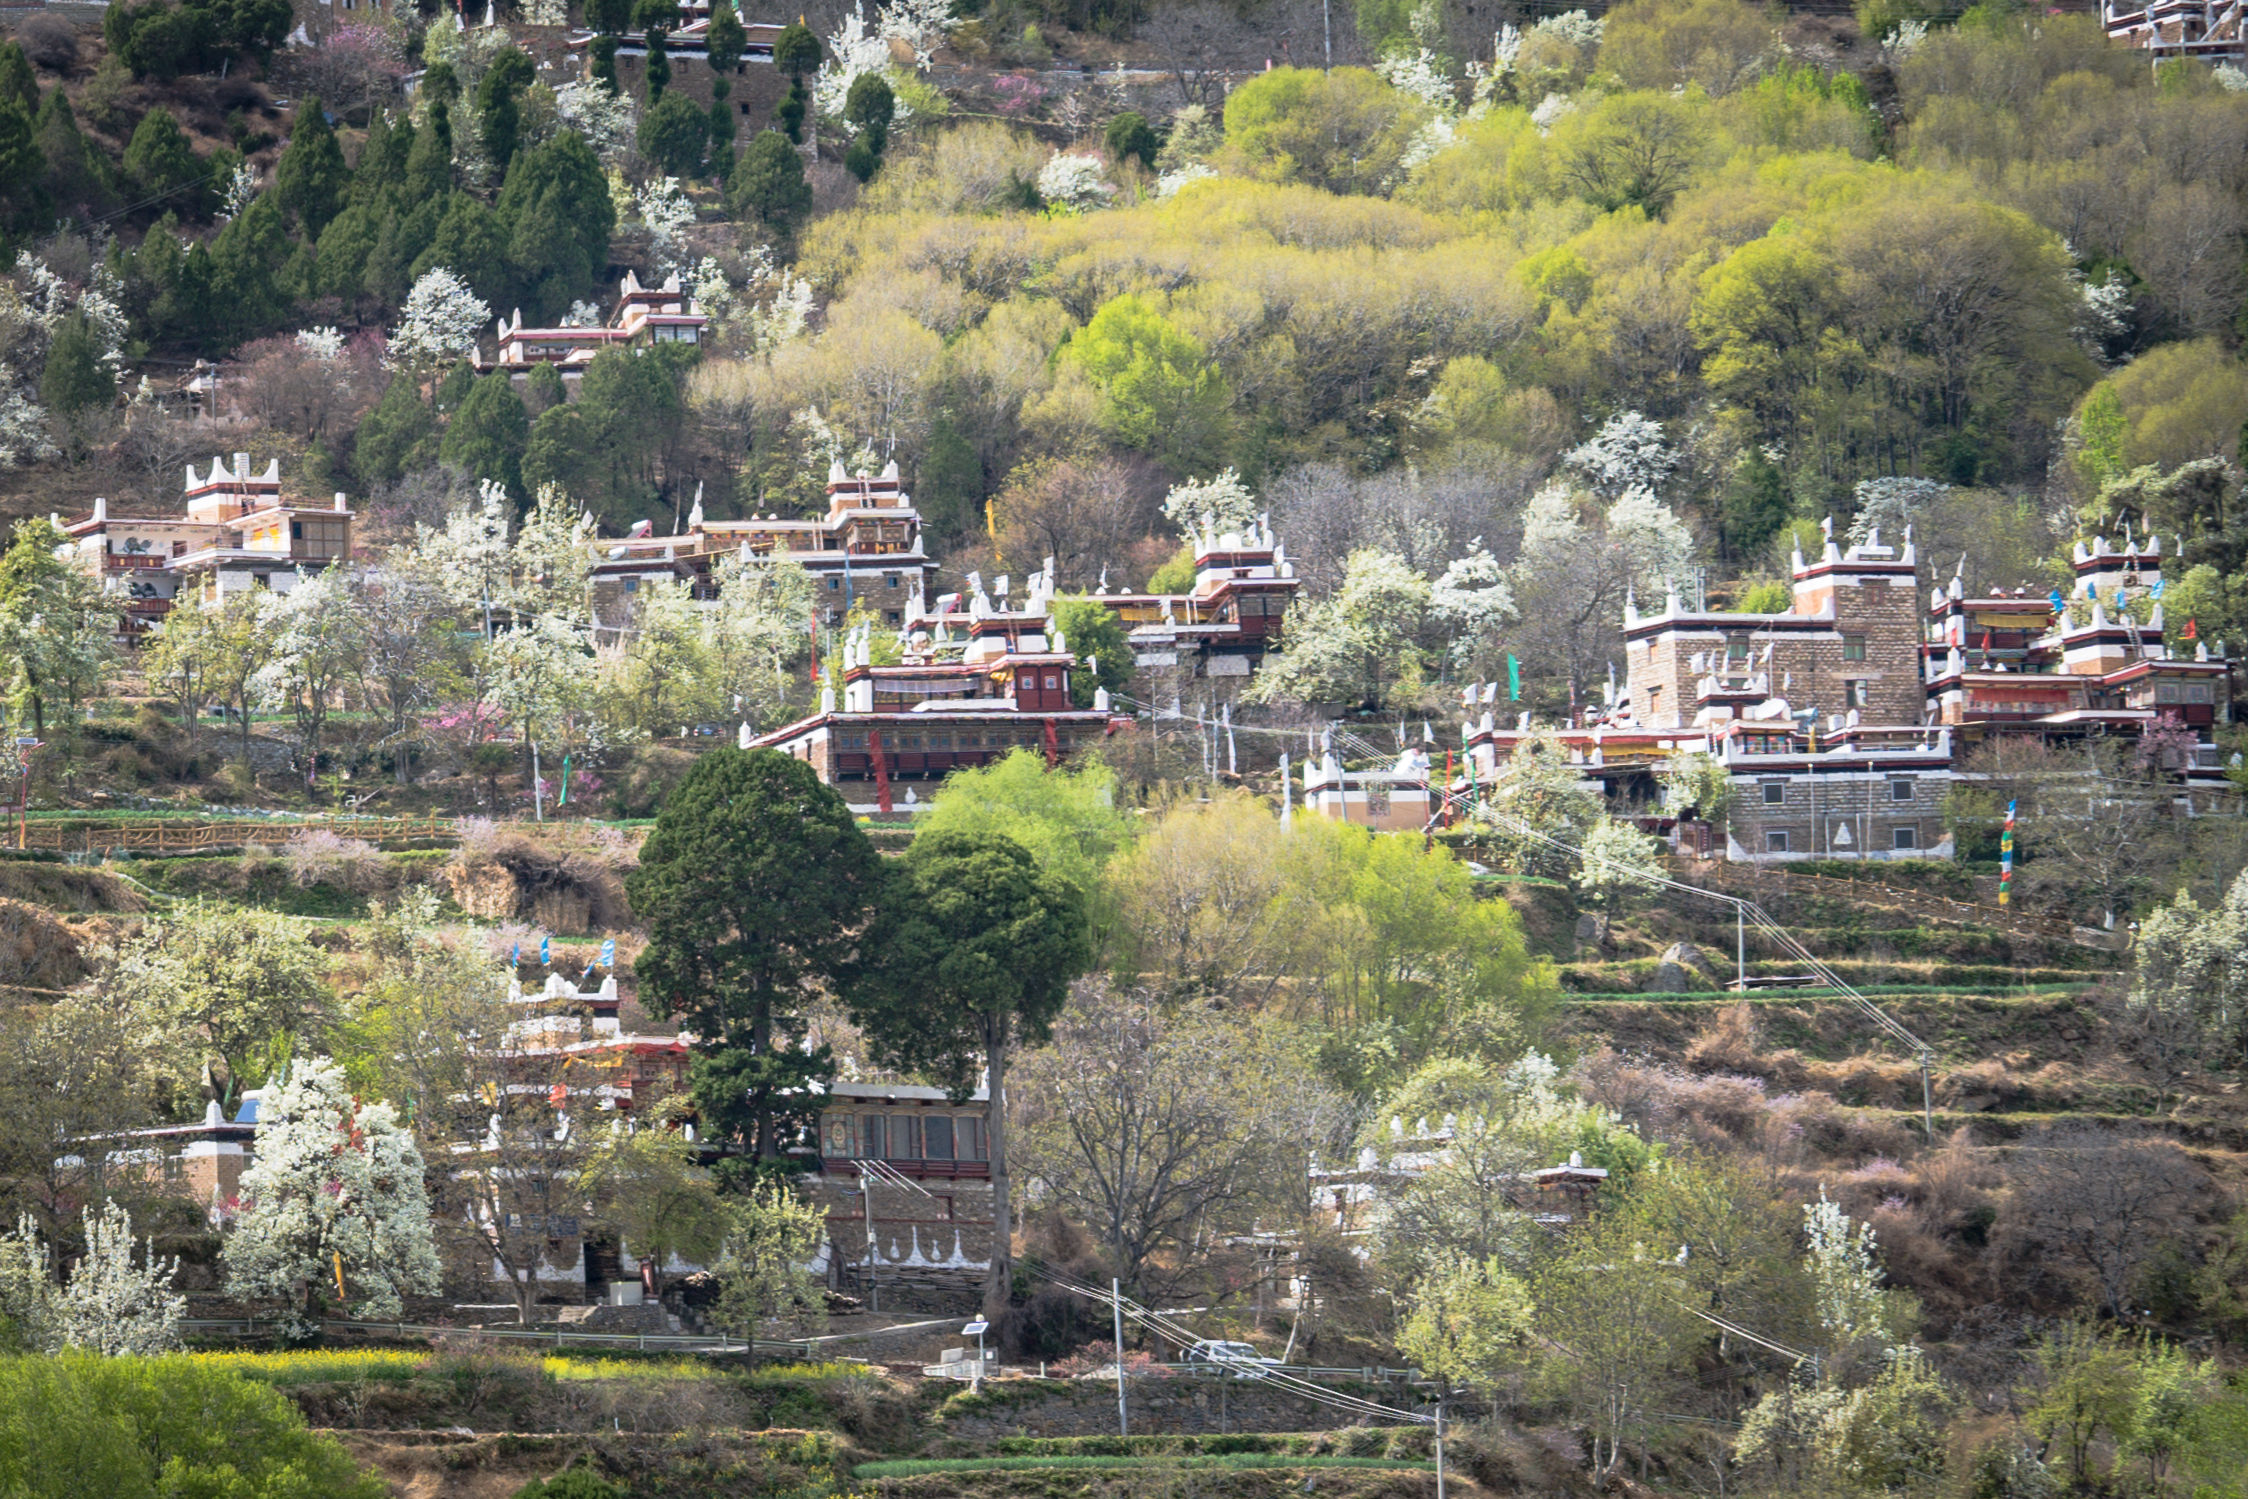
(2156, 590)
(2058, 603)
(2119, 602)
(608, 952)
(516, 957)
(546, 951)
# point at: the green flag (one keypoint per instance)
(1513, 679)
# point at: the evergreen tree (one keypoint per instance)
(487, 434)
(247, 260)
(673, 134)
(543, 391)
(1129, 137)
(74, 174)
(21, 165)
(399, 434)
(724, 41)
(796, 52)
(161, 162)
(471, 243)
(340, 264)
(17, 82)
(739, 938)
(382, 158)
(311, 179)
(608, 17)
(556, 212)
(499, 107)
(970, 954)
(604, 54)
(659, 65)
(769, 184)
(561, 451)
(76, 380)
(870, 106)
(429, 164)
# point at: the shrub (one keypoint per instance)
(135, 1428)
(319, 856)
(49, 41)
(572, 1483)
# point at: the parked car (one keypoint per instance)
(1241, 1358)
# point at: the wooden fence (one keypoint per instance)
(183, 835)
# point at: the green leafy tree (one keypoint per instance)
(488, 433)
(769, 185)
(1614, 1338)
(1343, 129)
(76, 175)
(971, 952)
(1068, 818)
(310, 181)
(608, 17)
(648, 1186)
(1096, 638)
(246, 982)
(673, 134)
(741, 933)
(1360, 644)
(773, 1233)
(1160, 391)
(57, 629)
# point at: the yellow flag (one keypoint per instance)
(339, 1273)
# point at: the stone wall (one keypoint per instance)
(1179, 1405)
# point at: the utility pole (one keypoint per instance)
(1740, 945)
(1440, 1442)
(1116, 1305)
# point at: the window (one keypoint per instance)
(1854, 693)
(175, 1169)
(1853, 647)
(834, 583)
(1775, 792)
(2198, 693)
(632, 585)
(1904, 837)
(905, 1140)
(837, 1145)
(1053, 683)
(1775, 843)
(1900, 791)
(2165, 692)
(893, 616)
(1736, 649)
(936, 1137)
(870, 1136)
(890, 580)
(296, 530)
(968, 1139)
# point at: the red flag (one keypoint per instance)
(2190, 632)
(558, 1095)
(1986, 642)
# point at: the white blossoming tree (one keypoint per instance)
(609, 122)
(1073, 181)
(1629, 452)
(324, 344)
(440, 322)
(334, 1199)
(1472, 596)
(668, 215)
(1360, 645)
(1891, 504)
(1217, 504)
(112, 1305)
(1618, 859)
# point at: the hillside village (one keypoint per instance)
(1012, 748)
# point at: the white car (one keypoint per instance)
(1241, 1358)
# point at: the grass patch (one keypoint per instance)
(917, 1467)
(319, 1365)
(1357, 1441)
